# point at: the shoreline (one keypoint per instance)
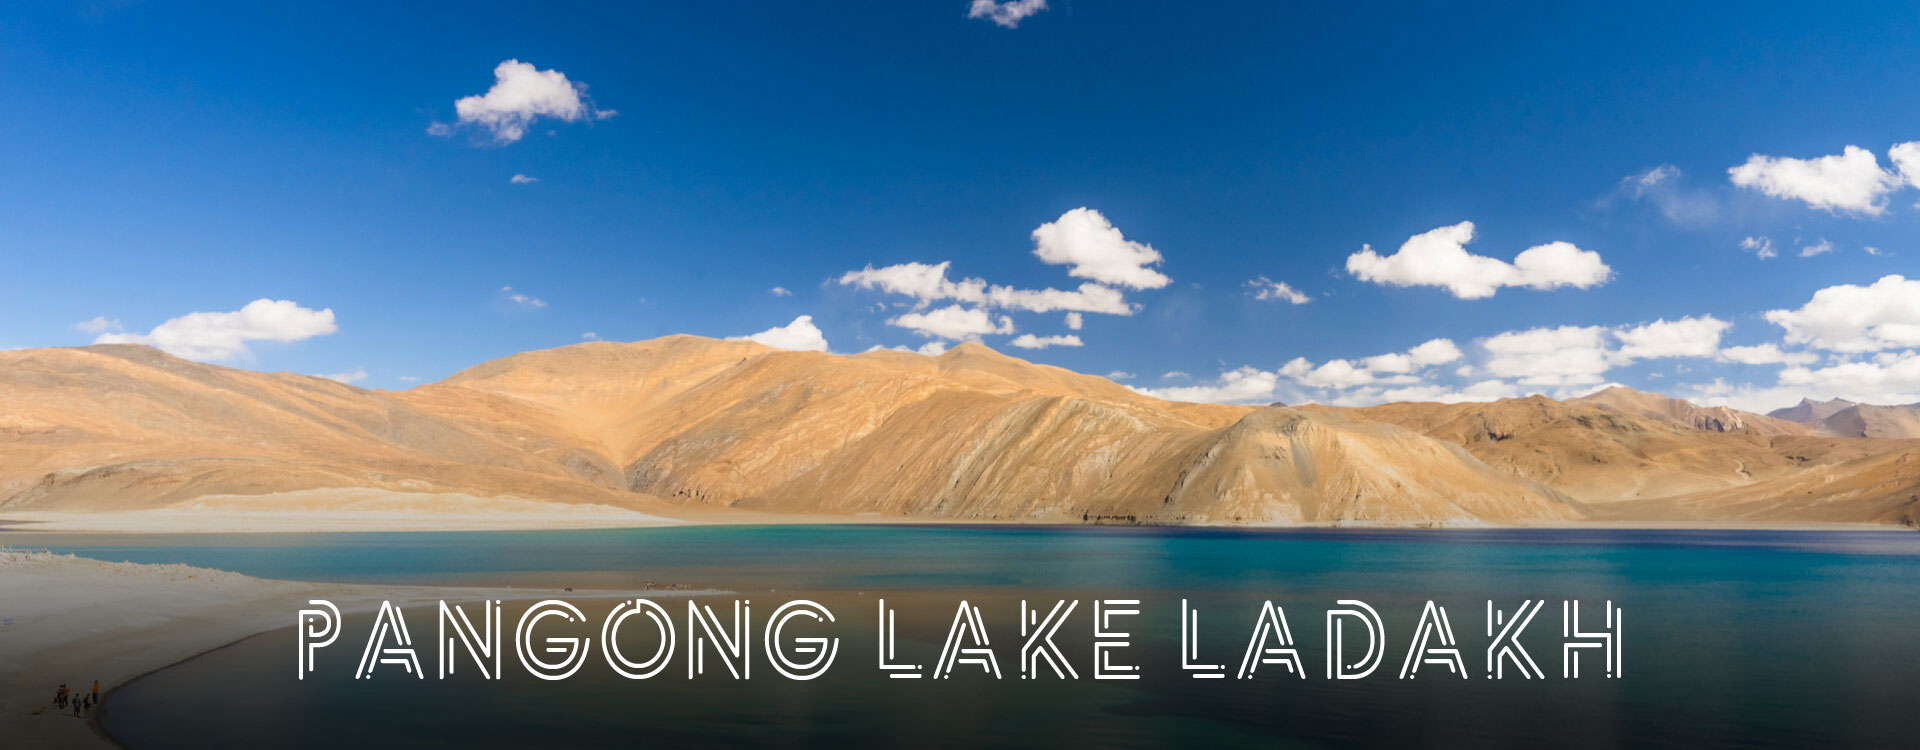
(77, 619)
(191, 522)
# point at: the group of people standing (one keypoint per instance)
(82, 704)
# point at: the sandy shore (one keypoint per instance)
(75, 620)
(174, 521)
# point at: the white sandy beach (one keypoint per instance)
(76, 620)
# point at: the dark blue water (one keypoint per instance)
(1730, 638)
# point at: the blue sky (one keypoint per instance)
(166, 160)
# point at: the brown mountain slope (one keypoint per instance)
(1628, 467)
(1685, 413)
(694, 423)
(976, 434)
(1870, 421)
(1809, 411)
(126, 427)
(722, 424)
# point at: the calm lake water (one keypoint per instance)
(1731, 638)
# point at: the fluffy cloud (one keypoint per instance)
(216, 336)
(1081, 239)
(1245, 385)
(1266, 289)
(1819, 248)
(1030, 341)
(928, 283)
(1338, 373)
(1092, 248)
(1766, 354)
(520, 179)
(1761, 247)
(1339, 381)
(1851, 318)
(1884, 378)
(1567, 355)
(780, 291)
(1849, 182)
(954, 323)
(1120, 375)
(521, 94)
(931, 349)
(589, 336)
(1434, 352)
(800, 336)
(1439, 258)
(1906, 158)
(1686, 337)
(1485, 390)
(1006, 13)
(349, 378)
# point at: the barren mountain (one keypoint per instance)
(1631, 467)
(697, 424)
(1687, 414)
(1809, 411)
(1847, 419)
(979, 435)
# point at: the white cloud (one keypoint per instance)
(520, 95)
(1389, 363)
(1439, 258)
(521, 299)
(927, 283)
(1884, 378)
(1820, 248)
(1568, 355)
(520, 179)
(780, 291)
(1434, 352)
(1173, 375)
(349, 378)
(99, 324)
(1766, 354)
(1870, 250)
(800, 336)
(1266, 289)
(933, 348)
(1851, 318)
(1906, 158)
(1006, 13)
(1074, 321)
(1686, 337)
(1092, 298)
(589, 336)
(1761, 247)
(1849, 182)
(1245, 385)
(1030, 341)
(216, 336)
(1120, 375)
(1485, 390)
(408, 379)
(1338, 373)
(1092, 248)
(954, 322)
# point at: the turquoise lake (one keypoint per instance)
(1730, 639)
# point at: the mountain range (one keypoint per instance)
(684, 424)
